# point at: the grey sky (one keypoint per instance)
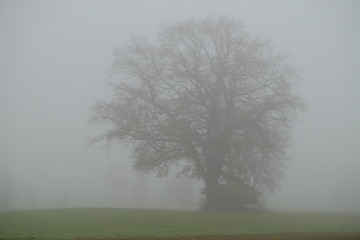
(54, 61)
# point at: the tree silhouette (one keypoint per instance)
(207, 95)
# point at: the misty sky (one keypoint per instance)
(55, 57)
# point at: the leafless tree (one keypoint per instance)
(208, 95)
(7, 190)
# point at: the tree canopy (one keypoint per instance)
(206, 96)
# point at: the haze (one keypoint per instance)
(54, 63)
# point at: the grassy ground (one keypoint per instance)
(131, 223)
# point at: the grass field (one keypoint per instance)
(131, 223)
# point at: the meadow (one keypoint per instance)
(142, 223)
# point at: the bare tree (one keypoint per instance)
(7, 190)
(208, 95)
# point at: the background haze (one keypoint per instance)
(54, 61)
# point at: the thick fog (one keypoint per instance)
(55, 58)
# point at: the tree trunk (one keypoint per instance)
(212, 194)
(214, 158)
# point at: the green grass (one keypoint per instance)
(111, 223)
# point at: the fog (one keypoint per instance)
(55, 58)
